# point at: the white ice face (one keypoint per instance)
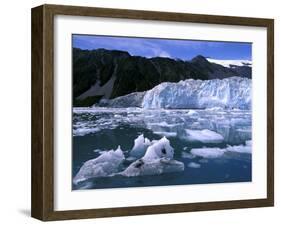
(140, 145)
(104, 165)
(228, 93)
(160, 149)
(158, 159)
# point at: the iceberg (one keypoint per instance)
(140, 145)
(228, 93)
(105, 165)
(159, 149)
(158, 159)
(204, 136)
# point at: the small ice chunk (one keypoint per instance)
(208, 152)
(239, 148)
(97, 150)
(248, 142)
(192, 113)
(104, 165)
(131, 159)
(194, 165)
(140, 145)
(204, 136)
(166, 134)
(85, 131)
(187, 155)
(153, 167)
(159, 149)
(203, 161)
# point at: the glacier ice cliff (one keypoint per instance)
(229, 93)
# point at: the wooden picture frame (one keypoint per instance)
(43, 108)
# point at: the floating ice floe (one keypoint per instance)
(192, 113)
(247, 148)
(187, 155)
(239, 149)
(208, 152)
(166, 134)
(219, 152)
(158, 159)
(248, 142)
(84, 131)
(104, 165)
(194, 165)
(140, 145)
(153, 167)
(204, 136)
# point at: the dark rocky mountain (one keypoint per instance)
(109, 74)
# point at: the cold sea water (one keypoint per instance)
(213, 144)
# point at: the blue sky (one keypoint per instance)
(150, 47)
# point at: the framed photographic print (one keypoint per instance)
(141, 112)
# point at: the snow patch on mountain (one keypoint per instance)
(231, 63)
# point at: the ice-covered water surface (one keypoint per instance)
(222, 134)
(206, 126)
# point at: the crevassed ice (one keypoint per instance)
(104, 165)
(230, 93)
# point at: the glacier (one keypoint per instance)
(228, 93)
